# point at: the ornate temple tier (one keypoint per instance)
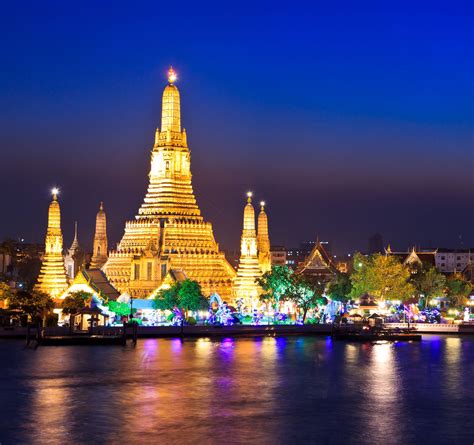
(52, 277)
(169, 232)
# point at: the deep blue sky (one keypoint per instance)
(348, 118)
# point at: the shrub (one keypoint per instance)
(191, 321)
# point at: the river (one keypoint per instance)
(255, 390)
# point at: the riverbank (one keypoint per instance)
(240, 330)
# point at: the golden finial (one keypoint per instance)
(262, 204)
(55, 193)
(172, 76)
(249, 197)
(101, 207)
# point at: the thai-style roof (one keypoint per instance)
(98, 281)
(413, 256)
(318, 262)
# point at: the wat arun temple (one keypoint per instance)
(169, 235)
(168, 241)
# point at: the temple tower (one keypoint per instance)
(169, 234)
(263, 240)
(245, 286)
(52, 277)
(99, 253)
(74, 258)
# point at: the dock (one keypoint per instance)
(83, 340)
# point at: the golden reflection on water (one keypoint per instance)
(452, 382)
(262, 390)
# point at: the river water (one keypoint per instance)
(259, 390)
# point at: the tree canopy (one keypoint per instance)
(182, 296)
(34, 304)
(382, 276)
(339, 288)
(428, 282)
(5, 291)
(276, 284)
(119, 308)
(457, 289)
(75, 301)
(305, 294)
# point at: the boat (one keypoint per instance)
(373, 334)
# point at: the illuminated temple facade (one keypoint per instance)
(254, 256)
(52, 278)
(169, 234)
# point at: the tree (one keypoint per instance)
(167, 299)
(182, 297)
(457, 289)
(75, 301)
(190, 297)
(382, 276)
(5, 292)
(35, 304)
(428, 282)
(306, 294)
(276, 284)
(119, 308)
(339, 288)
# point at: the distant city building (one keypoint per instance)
(453, 260)
(445, 260)
(278, 255)
(6, 260)
(376, 244)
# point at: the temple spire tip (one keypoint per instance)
(172, 76)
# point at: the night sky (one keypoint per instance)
(347, 118)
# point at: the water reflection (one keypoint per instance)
(267, 390)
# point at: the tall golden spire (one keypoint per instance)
(245, 286)
(249, 217)
(169, 233)
(171, 112)
(52, 277)
(99, 254)
(263, 240)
